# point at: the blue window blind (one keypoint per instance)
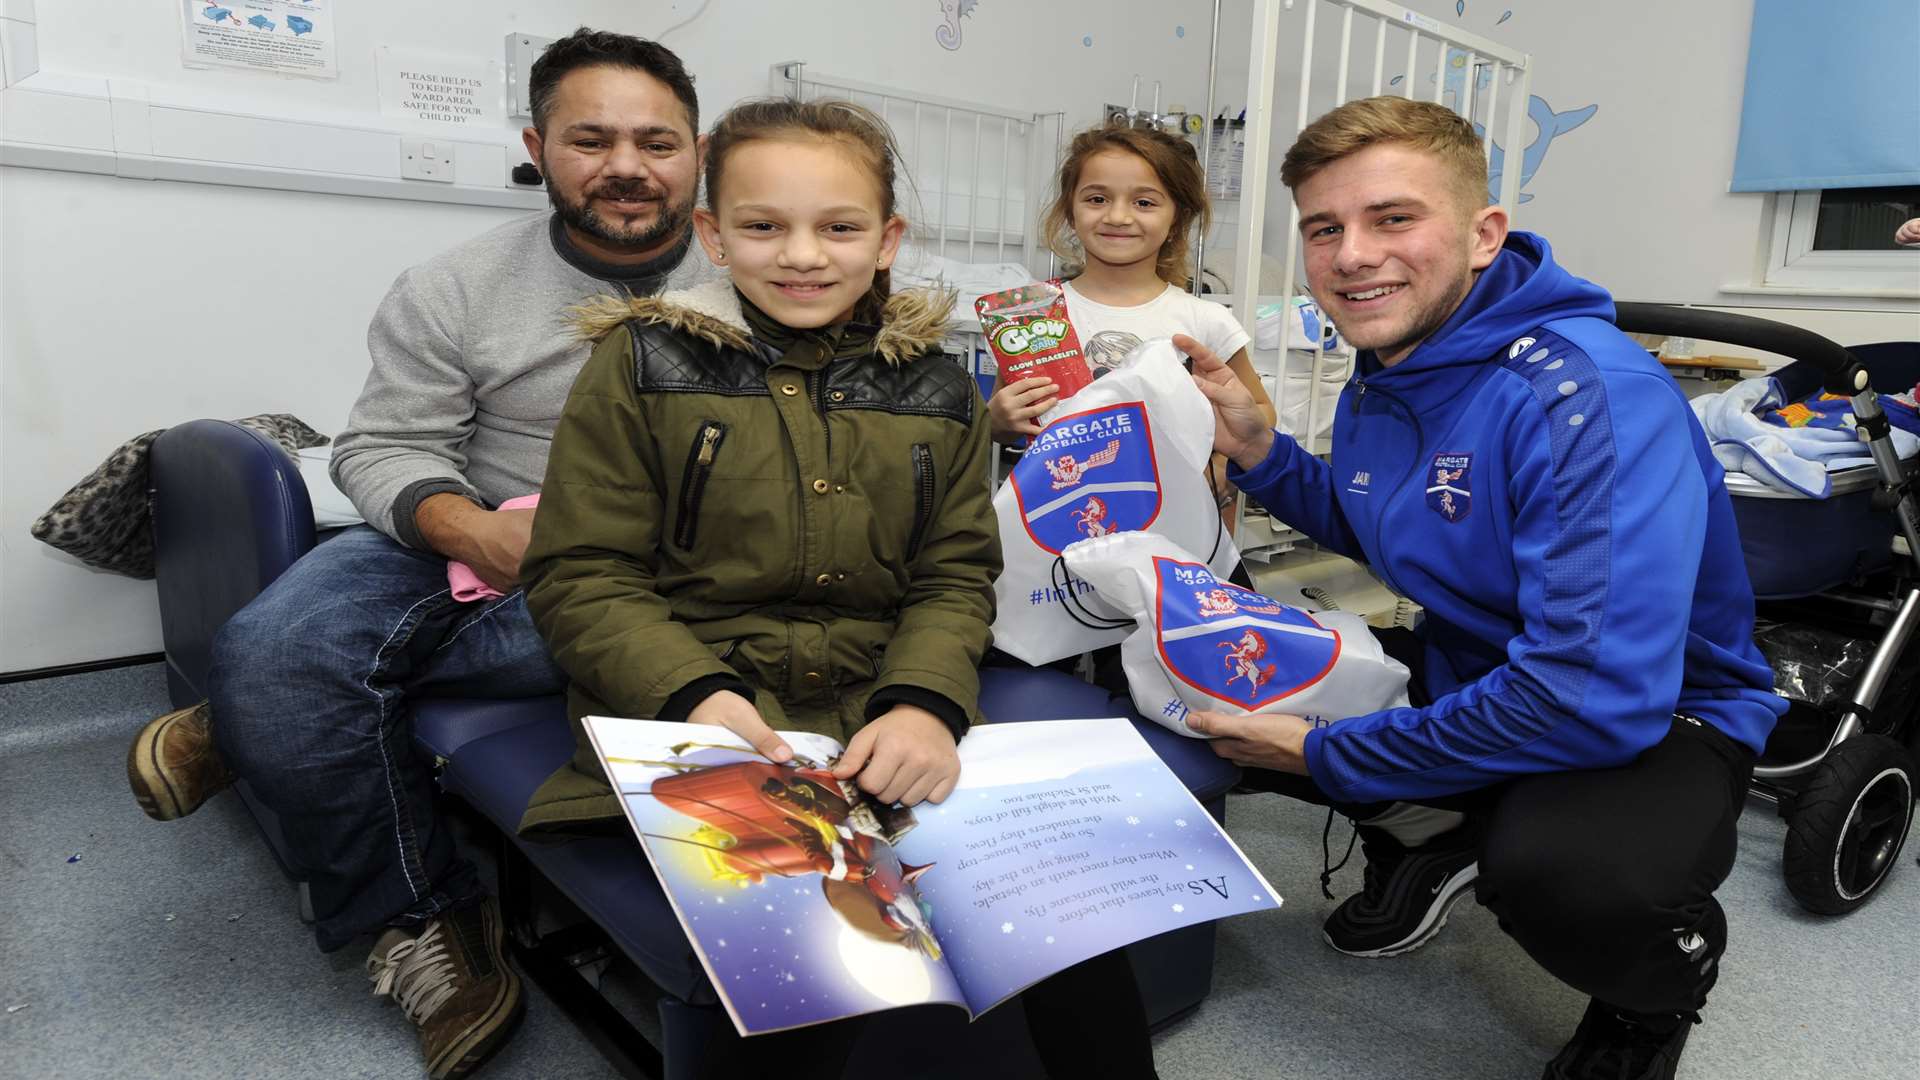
(1833, 96)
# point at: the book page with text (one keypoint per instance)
(1066, 839)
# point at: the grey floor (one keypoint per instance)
(174, 951)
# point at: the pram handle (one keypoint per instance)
(1843, 374)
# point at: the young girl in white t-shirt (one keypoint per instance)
(1127, 202)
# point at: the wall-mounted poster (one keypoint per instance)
(443, 89)
(293, 37)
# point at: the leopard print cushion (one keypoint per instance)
(104, 519)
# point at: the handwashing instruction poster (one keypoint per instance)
(292, 37)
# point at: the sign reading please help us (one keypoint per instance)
(442, 89)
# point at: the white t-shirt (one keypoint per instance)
(1107, 333)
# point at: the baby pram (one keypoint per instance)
(1838, 608)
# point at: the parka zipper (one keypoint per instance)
(817, 390)
(922, 498)
(694, 482)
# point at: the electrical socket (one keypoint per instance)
(426, 159)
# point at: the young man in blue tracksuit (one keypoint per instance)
(1588, 701)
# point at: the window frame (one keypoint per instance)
(1792, 262)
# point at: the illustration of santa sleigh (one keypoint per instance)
(760, 820)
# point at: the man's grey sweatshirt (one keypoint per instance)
(473, 356)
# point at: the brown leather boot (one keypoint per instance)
(454, 983)
(173, 765)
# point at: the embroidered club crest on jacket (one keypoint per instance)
(1449, 488)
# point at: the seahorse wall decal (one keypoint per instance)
(952, 11)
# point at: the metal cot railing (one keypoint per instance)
(952, 148)
(1467, 73)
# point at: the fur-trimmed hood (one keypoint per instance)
(911, 324)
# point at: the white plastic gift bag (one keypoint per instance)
(1126, 454)
(1204, 643)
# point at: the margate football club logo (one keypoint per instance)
(1449, 488)
(1233, 644)
(1089, 474)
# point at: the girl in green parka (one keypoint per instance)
(768, 506)
(767, 502)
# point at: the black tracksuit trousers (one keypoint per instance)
(1605, 876)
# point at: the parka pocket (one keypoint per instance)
(706, 446)
(923, 487)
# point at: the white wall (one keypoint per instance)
(1636, 197)
(129, 305)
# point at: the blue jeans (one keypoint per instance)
(309, 687)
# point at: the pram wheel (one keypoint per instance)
(1849, 823)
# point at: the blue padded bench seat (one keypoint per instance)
(230, 513)
(442, 726)
(497, 769)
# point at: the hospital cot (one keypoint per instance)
(1830, 578)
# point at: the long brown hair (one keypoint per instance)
(856, 127)
(1172, 159)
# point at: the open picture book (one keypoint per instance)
(806, 901)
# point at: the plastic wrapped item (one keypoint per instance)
(1301, 321)
(1811, 665)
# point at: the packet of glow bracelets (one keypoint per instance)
(1028, 331)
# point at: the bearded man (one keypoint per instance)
(473, 357)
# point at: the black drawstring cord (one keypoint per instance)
(1326, 854)
(1219, 522)
(1063, 580)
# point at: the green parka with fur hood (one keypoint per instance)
(806, 521)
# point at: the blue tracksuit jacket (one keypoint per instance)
(1537, 483)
